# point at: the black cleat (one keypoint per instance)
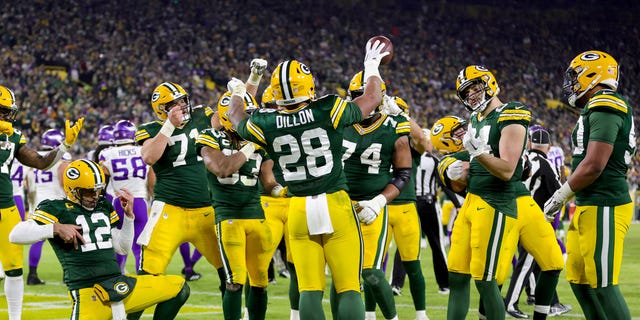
(191, 275)
(33, 280)
(516, 313)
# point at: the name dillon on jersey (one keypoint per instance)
(294, 120)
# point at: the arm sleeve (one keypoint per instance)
(28, 232)
(123, 238)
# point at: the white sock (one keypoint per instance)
(14, 291)
(421, 315)
(370, 315)
(295, 315)
(245, 311)
(394, 318)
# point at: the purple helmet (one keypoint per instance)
(105, 135)
(51, 139)
(125, 132)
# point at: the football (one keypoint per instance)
(388, 47)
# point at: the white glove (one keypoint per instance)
(369, 209)
(257, 69)
(455, 170)
(237, 87)
(372, 59)
(475, 146)
(390, 106)
(557, 200)
(248, 150)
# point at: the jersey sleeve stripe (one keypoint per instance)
(142, 135)
(403, 127)
(44, 217)
(515, 115)
(208, 141)
(608, 102)
(443, 165)
(336, 112)
(114, 217)
(256, 132)
(23, 140)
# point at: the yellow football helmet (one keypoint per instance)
(8, 104)
(250, 105)
(268, 100)
(442, 134)
(165, 96)
(473, 75)
(587, 70)
(356, 86)
(292, 83)
(83, 176)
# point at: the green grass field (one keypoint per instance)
(50, 301)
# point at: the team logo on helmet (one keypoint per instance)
(304, 68)
(155, 96)
(437, 128)
(225, 101)
(590, 56)
(73, 173)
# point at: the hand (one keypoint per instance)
(71, 132)
(475, 146)
(69, 233)
(126, 199)
(455, 170)
(279, 191)
(237, 87)
(368, 209)
(374, 53)
(258, 66)
(557, 200)
(6, 128)
(390, 106)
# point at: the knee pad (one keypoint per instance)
(233, 287)
(369, 276)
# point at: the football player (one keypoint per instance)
(82, 232)
(41, 185)
(495, 141)
(105, 141)
(181, 210)
(604, 143)
(304, 139)
(125, 168)
(371, 148)
(246, 246)
(13, 145)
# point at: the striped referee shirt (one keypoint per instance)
(544, 180)
(426, 176)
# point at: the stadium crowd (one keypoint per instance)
(113, 54)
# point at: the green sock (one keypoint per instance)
(294, 295)
(459, 291)
(369, 297)
(350, 306)
(333, 302)
(223, 281)
(134, 315)
(545, 290)
(257, 303)
(381, 291)
(169, 309)
(232, 304)
(311, 305)
(416, 283)
(492, 300)
(613, 303)
(589, 303)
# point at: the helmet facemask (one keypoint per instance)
(183, 103)
(475, 89)
(88, 198)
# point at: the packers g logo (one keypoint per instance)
(225, 101)
(73, 173)
(590, 56)
(482, 68)
(305, 69)
(121, 287)
(437, 129)
(155, 96)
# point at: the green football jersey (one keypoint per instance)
(498, 193)
(446, 161)
(93, 261)
(181, 178)
(9, 146)
(305, 144)
(607, 117)
(236, 196)
(368, 155)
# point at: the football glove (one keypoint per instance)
(372, 59)
(257, 69)
(475, 146)
(455, 170)
(6, 128)
(557, 200)
(390, 106)
(368, 209)
(237, 87)
(71, 132)
(279, 191)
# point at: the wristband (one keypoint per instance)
(248, 150)
(167, 128)
(254, 79)
(565, 191)
(371, 69)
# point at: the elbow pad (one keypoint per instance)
(401, 177)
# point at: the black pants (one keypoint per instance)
(431, 225)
